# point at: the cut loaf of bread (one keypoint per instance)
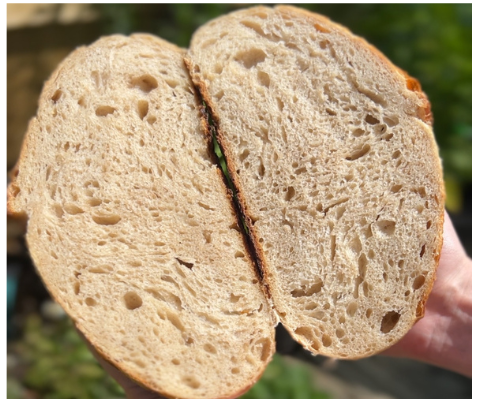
(130, 224)
(331, 150)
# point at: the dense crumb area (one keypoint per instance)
(130, 226)
(338, 169)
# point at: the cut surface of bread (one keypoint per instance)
(130, 224)
(333, 156)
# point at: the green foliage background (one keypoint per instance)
(432, 42)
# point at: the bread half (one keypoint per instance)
(332, 153)
(130, 225)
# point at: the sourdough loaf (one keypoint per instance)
(130, 224)
(331, 151)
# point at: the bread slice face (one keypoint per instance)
(331, 150)
(130, 224)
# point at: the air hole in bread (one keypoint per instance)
(352, 308)
(290, 193)
(139, 363)
(371, 119)
(235, 370)
(324, 44)
(210, 349)
(100, 269)
(361, 152)
(146, 83)
(380, 129)
(132, 300)
(429, 224)
(332, 247)
(319, 315)
(355, 245)
(151, 120)
(423, 251)
(391, 120)
(385, 277)
(396, 188)
(311, 306)
(172, 84)
(339, 333)
(251, 58)
(358, 132)
(303, 291)
(244, 154)
(76, 287)
(421, 191)
(72, 209)
(189, 265)
(418, 282)
(82, 102)
(389, 321)
(263, 79)
(366, 288)
(261, 169)
(135, 263)
(191, 382)
(330, 112)
(58, 211)
(326, 340)
(386, 227)
(94, 202)
(235, 226)
(175, 362)
(321, 28)
(106, 220)
(362, 265)
(104, 110)
(15, 190)
(90, 301)
(369, 312)
(265, 348)
(207, 236)
(142, 108)
(239, 254)
(396, 154)
(388, 136)
(255, 26)
(56, 96)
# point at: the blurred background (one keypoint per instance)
(432, 42)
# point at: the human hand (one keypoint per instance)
(443, 337)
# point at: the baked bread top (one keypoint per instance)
(332, 153)
(130, 225)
